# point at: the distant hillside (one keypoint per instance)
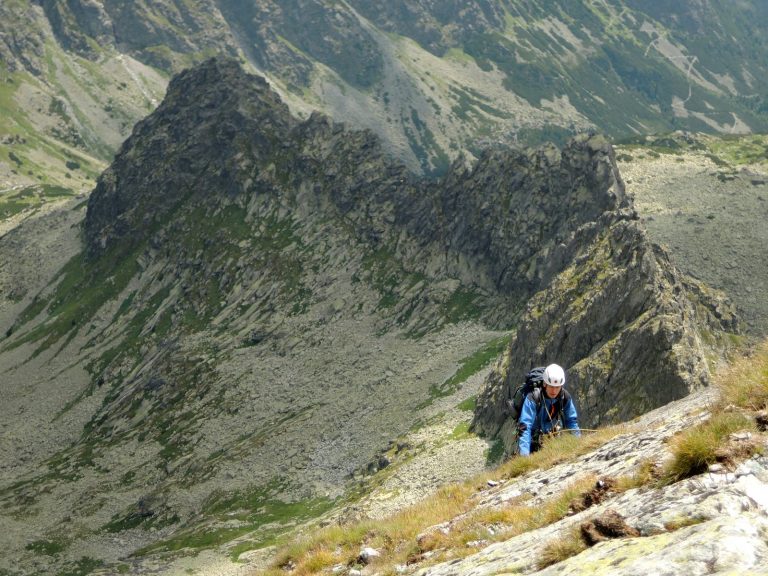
(432, 79)
(705, 199)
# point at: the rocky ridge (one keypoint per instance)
(250, 281)
(615, 319)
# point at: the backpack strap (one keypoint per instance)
(562, 398)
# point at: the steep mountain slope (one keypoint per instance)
(62, 115)
(694, 191)
(262, 304)
(432, 79)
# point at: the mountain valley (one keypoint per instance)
(230, 323)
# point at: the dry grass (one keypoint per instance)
(406, 536)
(745, 383)
(507, 521)
(567, 545)
(397, 537)
(695, 449)
(562, 448)
(743, 392)
(647, 473)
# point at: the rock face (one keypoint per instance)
(21, 42)
(620, 320)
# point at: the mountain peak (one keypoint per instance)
(211, 117)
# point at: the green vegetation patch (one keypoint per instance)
(30, 198)
(462, 305)
(495, 454)
(47, 547)
(461, 431)
(738, 150)
(82, 288)
(81, 567)
(469, 366)
(468, 405)
(137, 519)
(257, 510)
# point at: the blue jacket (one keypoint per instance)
(539, 421)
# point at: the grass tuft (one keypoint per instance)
(557, 449)
(695, 449)
(745, 383)
(566, 546)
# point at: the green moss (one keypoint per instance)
(460, 432)
(31, 198)
(468, 405)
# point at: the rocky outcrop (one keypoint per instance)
(620, 320)
(500, 226)
(190, 149)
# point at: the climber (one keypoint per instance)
(543, 410)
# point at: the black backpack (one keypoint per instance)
(533, 383)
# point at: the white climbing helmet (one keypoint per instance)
(554, 375)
